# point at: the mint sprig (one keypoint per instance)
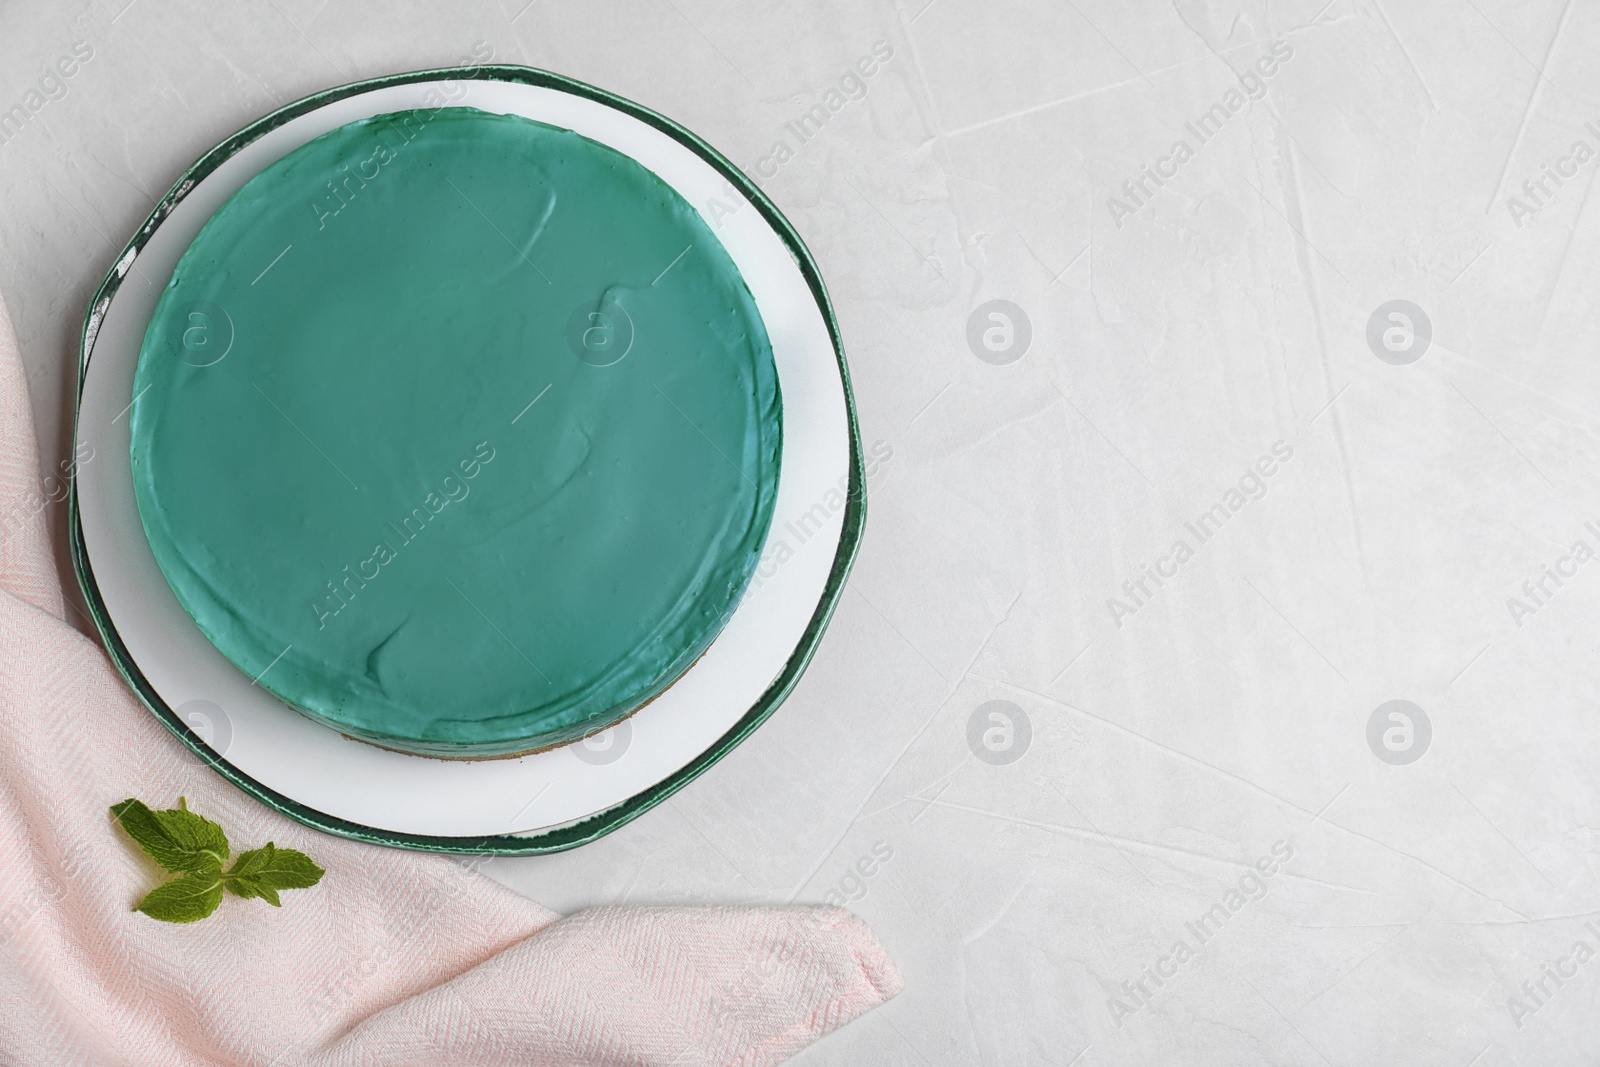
(195, 847)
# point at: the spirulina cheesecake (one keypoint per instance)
(457, 432)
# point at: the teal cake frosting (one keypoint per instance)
(457, 432)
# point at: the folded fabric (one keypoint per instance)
(394, 958)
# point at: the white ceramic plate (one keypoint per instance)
(313, 772)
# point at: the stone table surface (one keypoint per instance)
(1226, 363)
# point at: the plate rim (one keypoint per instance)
(583, 831)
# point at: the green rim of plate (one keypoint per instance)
(594, 826)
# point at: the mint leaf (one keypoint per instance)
(244, 879)
(184, 900)
(263, 871)
(254, 860)
(177, 838)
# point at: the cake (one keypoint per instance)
(457, 432)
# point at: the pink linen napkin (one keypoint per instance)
(395, 958)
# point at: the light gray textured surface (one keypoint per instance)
(1174, 739)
